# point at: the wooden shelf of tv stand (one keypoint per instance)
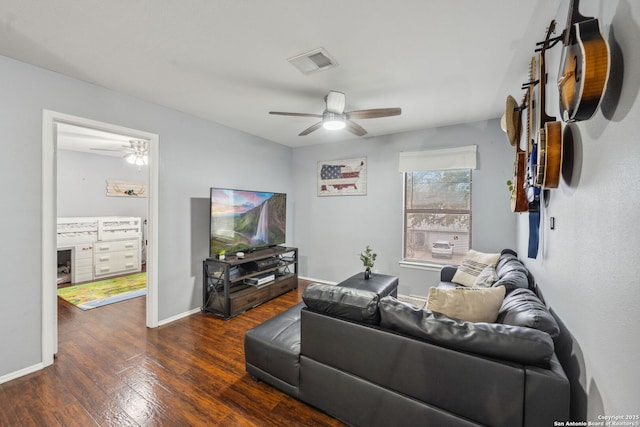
(231, 297)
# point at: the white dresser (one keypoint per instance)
(101, 246)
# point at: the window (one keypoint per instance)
(437, 215)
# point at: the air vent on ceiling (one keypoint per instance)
(313, 61)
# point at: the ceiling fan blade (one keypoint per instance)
(373, 113)
(335, 102)
(281, 113)
(354, 128)
(104, 149)
(310, 129)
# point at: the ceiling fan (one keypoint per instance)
(334, 116)
(136, 151)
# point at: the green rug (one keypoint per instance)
(103, 292)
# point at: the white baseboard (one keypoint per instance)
(21, 373)
(326, 282)
(178, 316)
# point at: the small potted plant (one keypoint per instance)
(368, 257)
(221, 254)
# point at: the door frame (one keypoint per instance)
(49, 222)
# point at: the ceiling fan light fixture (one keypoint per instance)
(333, 124)
(333, 121)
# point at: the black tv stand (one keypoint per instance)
(225, 288)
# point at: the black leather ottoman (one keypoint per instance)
(272, 349)
(381, 284)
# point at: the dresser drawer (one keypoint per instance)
(109, 269)
(116, 257)
(119, 245)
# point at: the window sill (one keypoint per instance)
(420, 266)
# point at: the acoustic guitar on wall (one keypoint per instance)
(549, 162)
(584, 66)
(513, 114)
(531, 190)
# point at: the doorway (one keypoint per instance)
(51, 121)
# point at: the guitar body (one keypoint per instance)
(549, 155)
(584, 71)
(519, 202)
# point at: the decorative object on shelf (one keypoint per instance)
(368, 257)
(584, 67)
(342, 177)
(221, 254)
(126, 189)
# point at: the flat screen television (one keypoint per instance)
(243, 220)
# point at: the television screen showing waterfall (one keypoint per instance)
(243, 220)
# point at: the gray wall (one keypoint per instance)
(588, 274)
(194, 155)
(332, 231)
(588, 267)
(82, 185)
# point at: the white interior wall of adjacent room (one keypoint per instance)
(82, 187)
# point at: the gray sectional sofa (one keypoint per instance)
(366, 358)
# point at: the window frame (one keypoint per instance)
(405, 212)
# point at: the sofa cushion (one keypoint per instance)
(487, 277)
(513, 343)
(471, 304)
(348, 303)
(523, 308)
(472, 265)
(512, 272)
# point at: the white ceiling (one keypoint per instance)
(442, 61)
(93, 141)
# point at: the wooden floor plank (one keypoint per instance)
(111, 370)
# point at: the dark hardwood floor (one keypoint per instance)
(112, 371)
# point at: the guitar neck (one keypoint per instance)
(573, 17)
(530, 106)
(543, 117)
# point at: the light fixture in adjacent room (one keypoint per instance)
(137, 159)
(138, 156)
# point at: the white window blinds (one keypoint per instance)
(449, 158)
